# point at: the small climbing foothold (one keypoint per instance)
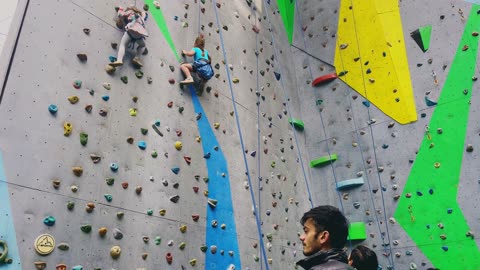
(86, 228)
(49, 221)
(53, 109)
(73, 99)
(212, 202)
(169, 258)
(183, 228)
(114, 167)
(175, 170)
(178, 145)
(83, 138)
(67, 129)
(142, 145)
(115, 252)
(175, 198)
(132, 111)
(108, 197)
(77, 171)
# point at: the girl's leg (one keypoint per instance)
(141, 46)
(121, 50)
(187, 68)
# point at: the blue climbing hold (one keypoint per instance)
(430, 102)
(449, 210)
(175, 170)
(112, 58)
(157, 123)
(106, 98)
(53, 109)
(366, 103)
(430, 191)
(428, 226)
(445, 248)
(419, 193)
(108, 197)
(142, 145)
(77, 267)
(114, 167)
(49, 221)
(175, 18)
(207, 155)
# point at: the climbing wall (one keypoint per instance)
(404, 199)
(90, 158)
(218, 176)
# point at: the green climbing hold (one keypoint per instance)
(297, 123)
(124, 79)
(110, 181)
(70, 205)
(154, 154)
(83, 138)
(422, 37)
(144, 131)
(323, 160)
(139, 74)
(86, 228)
(203, 248)
(158, 240)
(357, 231)
(149, 212)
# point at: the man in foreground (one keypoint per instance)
(325, 231)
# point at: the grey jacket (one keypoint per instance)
(334, 259)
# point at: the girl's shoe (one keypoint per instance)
(188, 80)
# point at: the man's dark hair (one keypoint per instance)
(364, 258)
(329, 218)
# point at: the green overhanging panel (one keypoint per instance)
(287, 11)
(162, 25)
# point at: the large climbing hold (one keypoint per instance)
(324, 79)
(357, 231)
(321, 161)
(350, 183)
(422, 37)
(297, 124)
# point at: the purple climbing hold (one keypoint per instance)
(253, 153)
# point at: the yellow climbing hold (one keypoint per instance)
(375, 61)
(198, 139)
(193, 262)
(133, 111)
(178, 145)
(183, 228)
(216, 125)
(73, 99)
(235, 80)
(67, 129)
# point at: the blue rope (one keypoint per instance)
(286, 99)
(259, 228)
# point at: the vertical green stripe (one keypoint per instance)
(287, 11)
(423, 215)
(162, 25)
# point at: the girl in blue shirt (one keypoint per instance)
(199, 53)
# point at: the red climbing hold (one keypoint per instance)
(188, 160)
(324, 79)
(195, 189)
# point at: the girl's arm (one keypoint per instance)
(188, 53)
(209, 59)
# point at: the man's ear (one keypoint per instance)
(323, 237)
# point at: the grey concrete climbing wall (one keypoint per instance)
(268, 81)
(138, 198)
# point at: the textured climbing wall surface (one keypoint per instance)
(261, 82)
(36, 152)
(370, 144)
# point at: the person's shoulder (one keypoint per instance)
(333, 265)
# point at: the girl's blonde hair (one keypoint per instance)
(200, 43)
